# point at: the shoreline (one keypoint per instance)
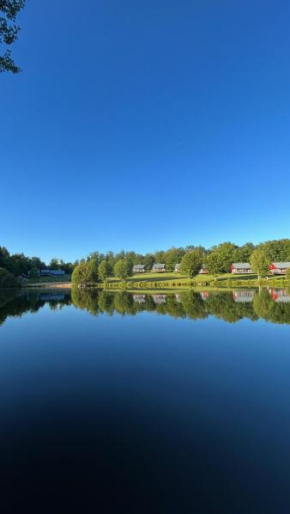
(48, 285)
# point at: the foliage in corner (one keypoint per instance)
(9, 9)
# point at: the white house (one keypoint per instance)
(241, 268)
(159, 268)
(138, 268)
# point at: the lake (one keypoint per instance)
(141, 403)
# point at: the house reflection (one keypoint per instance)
(231, 306)
(280, 295)
(243, 296)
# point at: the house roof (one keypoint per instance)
(142, 266)
(281, 265)
(177, 265)
(241, 265)
(156, 266)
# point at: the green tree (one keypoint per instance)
(276, 250)
(172, 257)
(95, 255)
(260, 262)
(92, 271)
(214, 263)
(123, 269)
(7, 279)
(4, 257)
(225, 255)
(34, 272)
(79, 274)
(86, 273)
(191, 263)
(105, 271)
(35, 262)
(54, 263)
(9, 9)
(148, 261)
(67, 267)
(159, 257)
(243, 253)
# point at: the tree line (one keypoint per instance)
(99, 266)
(217, 260)
(19, 264)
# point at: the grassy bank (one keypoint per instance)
(169, 282)
(173, 281)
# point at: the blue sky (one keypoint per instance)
(145, 125)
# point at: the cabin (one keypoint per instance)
(138, 268)
(159, 268)
(51, 272)
(279, 268)
(177, 268)
(203, 270)
(240, 268)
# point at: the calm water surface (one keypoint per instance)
(145, 404)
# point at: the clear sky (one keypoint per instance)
(146, 124)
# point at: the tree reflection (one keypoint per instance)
(16, 303)
(270, 305)
(270, 309)
(85, 299)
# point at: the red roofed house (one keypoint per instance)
(279, 268)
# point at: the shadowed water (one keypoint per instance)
(145, 403)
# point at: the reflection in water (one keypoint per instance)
(280, 295)
(271, 305)
(16, 302)
(243, 296)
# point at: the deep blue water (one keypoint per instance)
(144, 413)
